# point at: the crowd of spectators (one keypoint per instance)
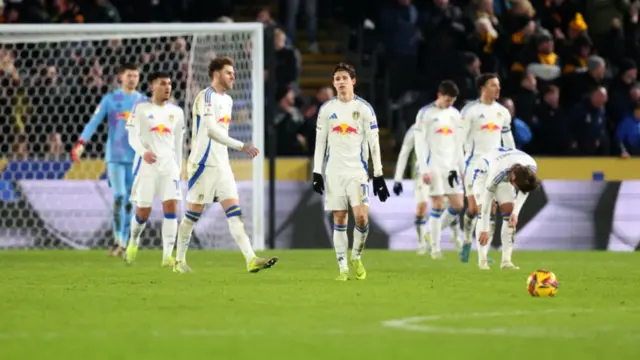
(568, 67)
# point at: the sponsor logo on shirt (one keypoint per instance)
(344, 129)
(490, 126)
(160, 129)
(445, 130)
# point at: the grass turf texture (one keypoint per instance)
(72, 304)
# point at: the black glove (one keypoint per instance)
(318, 183)
(380, 188)
(397, 188)
(453, 176)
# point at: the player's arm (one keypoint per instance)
(179, 138)
(133, 128)
(507, 135)
(90, 128)
(322, 136)
(421, 141)
(403, 158)
(372, 133)
(493, 179)
(465, 128)
(215, 132)
(460, 137)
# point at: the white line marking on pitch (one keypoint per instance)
(421, 324)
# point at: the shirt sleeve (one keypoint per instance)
(133, 128)
(507, 135)
(460, 140)
(421, 141)
(466, 128)
(371, 131)
(98, 115)
(405, 151)
(214, 131)
(179, 138)
(322, 135)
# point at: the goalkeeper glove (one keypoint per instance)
(453, 176)
(318, 183)
(380, 188)
(77, 151)
(397, 188)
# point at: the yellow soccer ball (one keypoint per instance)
(542, 283)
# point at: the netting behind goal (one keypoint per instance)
(52, 77)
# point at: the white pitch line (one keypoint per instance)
(417, 324)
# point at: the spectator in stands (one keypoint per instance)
(577, 85)
(525, 98)
(310, 11)
(521, 131)
(552, 125)
(288, 120)
(621, 103)
(466, 79)
(102, 11)
(34, 11)
(576, 54)
(68, 11)
(264, 16)
(589, 124)
(519, 27)
(8, 14)
(628, 134)
(605, 20)
(541, 60)
(286, 63)
(485, 40)
(308, 128)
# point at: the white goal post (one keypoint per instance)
(53, 78)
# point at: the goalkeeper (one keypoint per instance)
(116, 106)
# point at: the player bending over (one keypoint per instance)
(346, 131)
(487, 124)
(156, 131)
(506, 176)
(439, 153)
(116, 106)
(210, 176)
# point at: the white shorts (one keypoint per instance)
(420, 191)
(470, 168)
(440, 184)
(342, 191)
(209, 184)
(505, 192)
(150, 184)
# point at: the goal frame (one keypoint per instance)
(55, 32)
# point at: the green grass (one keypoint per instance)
(65, 304)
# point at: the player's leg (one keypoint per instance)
(337, 202)
(169, 230)
(142, 193)
(470, 216)
(127, 206)
(479, 186)
(505, 194)
(455, 199)
(421, 226)
(436, 190)
(199, 193)
(116, 175)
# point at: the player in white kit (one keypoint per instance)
(209, 170)
(507, 176)
(439, 151)
(487, 127)
(346, 131)
(156, 131)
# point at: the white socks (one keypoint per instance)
(341, 245)
(421, 225)
(169, 232)
(449, 216)
(468, 226)
(137, 226)
(483, 250)
(359, 239)
(506, 236)
(236, 227)
(435, 224)
(184, 234)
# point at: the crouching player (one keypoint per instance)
(506, 176)
(156, 130)
(346, 131)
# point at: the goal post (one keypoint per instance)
(54, 76)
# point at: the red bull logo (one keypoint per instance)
(344, 129)
(445, 130)
(225, 120)
(123, 115)
(160, 129)
(490, 126)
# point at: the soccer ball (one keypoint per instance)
(542, 283)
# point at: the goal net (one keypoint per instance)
(52, 79)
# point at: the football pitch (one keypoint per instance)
(72, 304)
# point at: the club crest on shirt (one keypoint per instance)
(499, 115)
(170, 118)
(356, 115)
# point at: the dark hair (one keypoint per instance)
(159, 75)
(448, 88)
(525, 179)
(483, 79)
(342, 66)
(219, 63)
(128, 66)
